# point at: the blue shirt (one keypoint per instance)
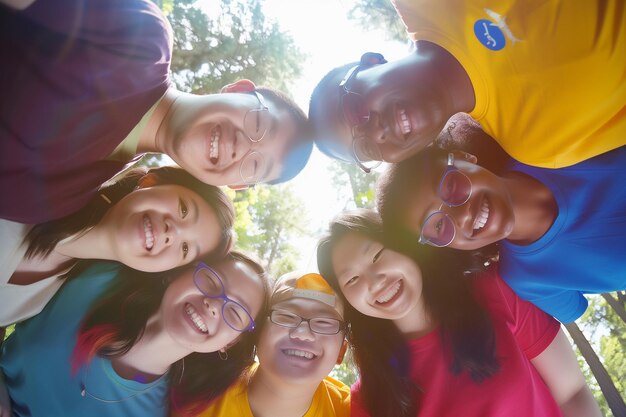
(584, 251)
(35, 361)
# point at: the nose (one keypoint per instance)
(170, 231)
(375, 280)
(373, 130)
(242, 144)
(213, 306)
(462, 218)
(302, 332)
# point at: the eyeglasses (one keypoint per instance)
(320, 325)
(256, 124)
(211, 285)
(454, 190)
(365, 152)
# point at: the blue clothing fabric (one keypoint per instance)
(76, 77)
(584, 249)
(35, 361)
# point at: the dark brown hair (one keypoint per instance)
(43, 238)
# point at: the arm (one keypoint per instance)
(559, 369)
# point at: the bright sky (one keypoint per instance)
(322, 30)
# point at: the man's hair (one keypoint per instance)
(299, 152)
(329, 84)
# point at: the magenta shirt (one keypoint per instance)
(522, 332)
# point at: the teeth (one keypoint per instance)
(299, 353)
(214, 151)
(404, 122)
(389, 294)
(195, 318)
(483, 216)
(147, 229)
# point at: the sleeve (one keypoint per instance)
(133, 28)
(565, 307)
(532, 328)
(356, 407)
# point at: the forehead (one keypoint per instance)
(308, 308)
(349, 251)
(241, 282)
(332, 131)
(285, 135)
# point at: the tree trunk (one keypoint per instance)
(617, 305)
(612, 395)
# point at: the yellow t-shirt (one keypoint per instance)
(549, 77)
(332, 398)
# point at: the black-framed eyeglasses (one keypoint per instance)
(455, 189)
(366, 153)
(320, 325)
(256, 124)
(210, 284)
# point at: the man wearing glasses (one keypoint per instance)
(560, 232)
(88, 90)
(545, 80)
(300, 341)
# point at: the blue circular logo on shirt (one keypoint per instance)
(489, 34)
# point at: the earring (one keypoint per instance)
(182, 371)
(222, 354)
(105, 198)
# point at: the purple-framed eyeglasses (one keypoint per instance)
(455, 189)
(210, 284)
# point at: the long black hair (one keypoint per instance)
(43, 238)
(380, 349)
(117, 321)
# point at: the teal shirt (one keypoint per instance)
(35, 361)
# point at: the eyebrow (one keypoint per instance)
(196, 216)
(226, 280)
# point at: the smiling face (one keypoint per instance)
(376, 281)
(298, 354)
(209, 136)
(195, 321)
(407, 109)
(161, 227)
(485, 218)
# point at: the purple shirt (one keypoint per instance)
(75, 76)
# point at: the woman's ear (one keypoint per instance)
(465, 156)
(148, 180)
(239, 86)
(342, 351)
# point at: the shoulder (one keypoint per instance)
(337, 394)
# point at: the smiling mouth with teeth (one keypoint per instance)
(390, 294)
(147, 230)
(214, 151)
(299, 353)
(405, 124)
(196, 319)
(482, 217)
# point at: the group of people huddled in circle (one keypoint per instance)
(502, 205)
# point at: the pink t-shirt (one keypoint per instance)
(522, 332)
